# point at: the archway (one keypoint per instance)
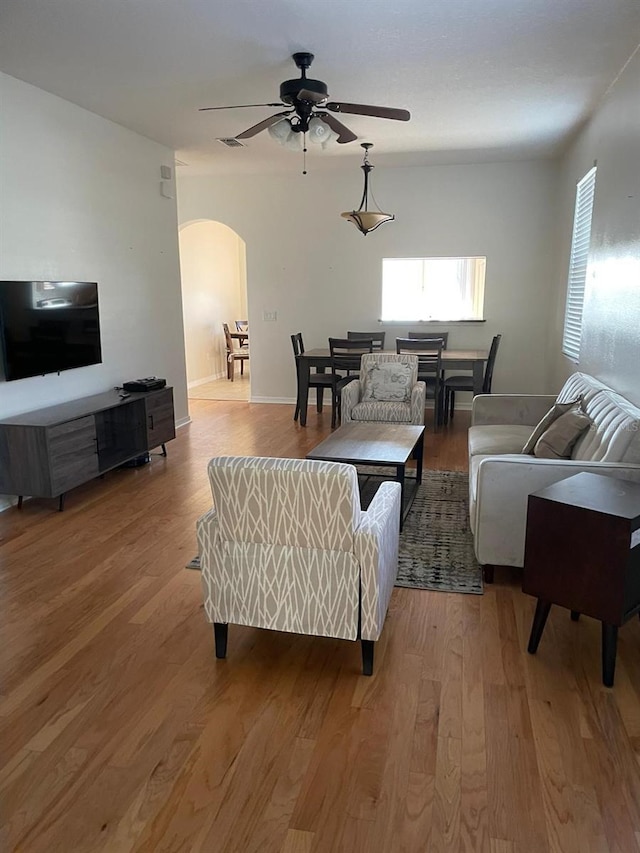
(214, 291)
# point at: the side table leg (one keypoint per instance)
(539, 621)
(609, 646)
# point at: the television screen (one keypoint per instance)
(48, 326)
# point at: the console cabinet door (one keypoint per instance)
(161, 425)
(73, 454)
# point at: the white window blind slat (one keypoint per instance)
(578, 262)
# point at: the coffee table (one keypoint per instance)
(380, 444)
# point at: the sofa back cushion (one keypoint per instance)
(615, 434)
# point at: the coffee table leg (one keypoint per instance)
(400, 479)
(419, 459)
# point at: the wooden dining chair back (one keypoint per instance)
(376, 337)
(429, 352)
(234, 354)
(345, 365)
(242, 325)
(317, 380)
(430, 336)
(465, 383)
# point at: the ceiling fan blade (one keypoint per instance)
(239, 107)
(366, 110)
(314, 97)
(262, 125)
(344, 134)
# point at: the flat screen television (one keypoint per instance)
(48, 326)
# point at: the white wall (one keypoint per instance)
(610, 347)
(81, 201)
(214, 291)
(323, 277)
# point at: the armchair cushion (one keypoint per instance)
(387, 381)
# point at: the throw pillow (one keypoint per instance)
(553, 414)
(558, 440)
(388, 382)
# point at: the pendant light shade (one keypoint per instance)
(364, 219)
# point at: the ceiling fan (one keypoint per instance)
(308, 99)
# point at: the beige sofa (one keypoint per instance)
(501, 477)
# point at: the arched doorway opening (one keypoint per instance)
(214, 291)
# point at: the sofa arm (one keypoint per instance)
(376, 549)
(350, 397)
(503, 486)
(418, 400)
(523, 409)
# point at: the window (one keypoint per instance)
(578, 265)
(415, 289)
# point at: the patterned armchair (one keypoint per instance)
(287, 547)
(387, 391)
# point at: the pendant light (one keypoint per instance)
(364, 219)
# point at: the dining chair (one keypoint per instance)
(465, 383)
(241, 354)
(319, 381)
(376, 337)
(429, 352)
(430, 336)
(345, 366)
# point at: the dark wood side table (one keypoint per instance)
(582, 552)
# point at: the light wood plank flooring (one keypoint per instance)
(121, 732)
(224, 389)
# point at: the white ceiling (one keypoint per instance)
(483, 79)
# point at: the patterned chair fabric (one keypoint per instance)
(287, 547)
(355, 408)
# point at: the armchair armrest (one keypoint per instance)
(351, 394)
(418, 399)
(207, 530)
(522, 409)
(503, 487)
(376, 549)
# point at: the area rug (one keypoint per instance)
(436, 544)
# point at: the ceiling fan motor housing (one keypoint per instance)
(290, 88)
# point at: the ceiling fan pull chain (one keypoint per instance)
(304, 153)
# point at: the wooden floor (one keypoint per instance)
(120, 731)
(224, 389)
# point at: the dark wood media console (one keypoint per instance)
(47, 452)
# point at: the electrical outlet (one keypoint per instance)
(269, 315)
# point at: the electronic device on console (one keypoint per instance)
(149, 383)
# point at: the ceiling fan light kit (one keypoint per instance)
(364, 219)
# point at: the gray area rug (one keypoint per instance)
(436, 544)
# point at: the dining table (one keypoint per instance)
(472, 360)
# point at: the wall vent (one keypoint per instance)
(231, 142)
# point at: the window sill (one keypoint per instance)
(428, 322)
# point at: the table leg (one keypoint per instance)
(303, 391)
(419, 459)
(539, 621)
(609, 646)
(400, 479)
(478, 376)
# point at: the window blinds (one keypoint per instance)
(580, 242)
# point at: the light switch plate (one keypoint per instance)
(269, 315)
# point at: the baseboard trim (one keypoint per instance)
(288, 401)
(183, 422)
(212, 378)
